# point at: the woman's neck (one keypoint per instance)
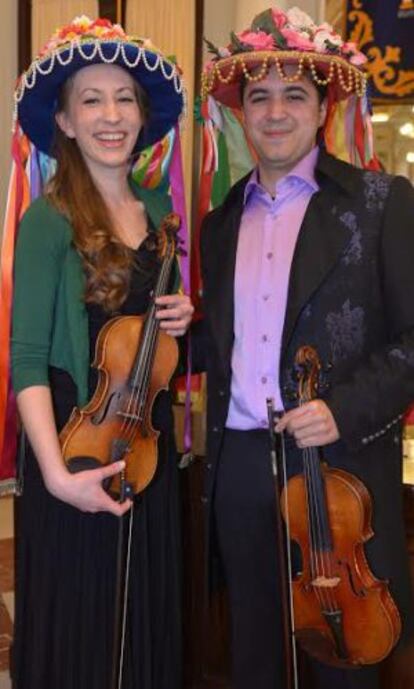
(113, 186)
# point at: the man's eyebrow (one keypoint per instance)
(257, 89)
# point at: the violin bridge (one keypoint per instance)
(326, 582)
(129, 416)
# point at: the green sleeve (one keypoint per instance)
(43, 239)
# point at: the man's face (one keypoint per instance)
(282, 119)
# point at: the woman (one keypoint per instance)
(85, 253)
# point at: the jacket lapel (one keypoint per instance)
(322, 239)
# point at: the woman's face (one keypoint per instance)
(103, 115)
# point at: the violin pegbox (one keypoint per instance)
(308, 368)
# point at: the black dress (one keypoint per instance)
(66, 561)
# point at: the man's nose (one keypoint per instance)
(276, 108)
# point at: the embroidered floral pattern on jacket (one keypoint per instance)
(346, 331)
(376, 189)
(353, 252)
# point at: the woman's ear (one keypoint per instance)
(63, 122)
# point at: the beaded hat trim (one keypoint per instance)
(45, 64)
(253, 66)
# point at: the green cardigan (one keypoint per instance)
(50, 323)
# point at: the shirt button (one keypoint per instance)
(263, 379)
(269, 255)
(221, 393)
(264, 338)
(215, 429)
(266, 297)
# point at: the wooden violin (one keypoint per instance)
(342, 614)
(135, 361)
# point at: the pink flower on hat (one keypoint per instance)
(279, 17)
(355, 56)
(258, 40)
(298, 40)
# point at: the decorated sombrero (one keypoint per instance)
(82, 43)
(85, 42)
(274, 39)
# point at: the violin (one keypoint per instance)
(135, 361)
(341, 613)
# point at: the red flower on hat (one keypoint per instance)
(257, 40)
(279, 17)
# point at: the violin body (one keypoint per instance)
(341, 613)
(344, 616)
(115, 424)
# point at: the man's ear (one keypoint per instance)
(323, 109)
(64, 124)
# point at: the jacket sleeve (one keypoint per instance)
(41, 245)
(374, 398)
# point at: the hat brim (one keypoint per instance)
(161, 82)
(222, 79)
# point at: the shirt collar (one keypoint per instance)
(304, 171)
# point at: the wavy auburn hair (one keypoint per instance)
(106, 260)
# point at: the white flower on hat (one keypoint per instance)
(299, 19)
(324, 40)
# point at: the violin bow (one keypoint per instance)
(278, 463)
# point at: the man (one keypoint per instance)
(305, 250)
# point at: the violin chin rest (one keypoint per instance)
(76, 464)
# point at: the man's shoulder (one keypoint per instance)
(350, 178)
(232, 202)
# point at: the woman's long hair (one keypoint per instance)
(107, 262)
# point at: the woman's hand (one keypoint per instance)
(174, 312)
(84, 490)
(312, 424)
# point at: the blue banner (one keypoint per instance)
(384, 31)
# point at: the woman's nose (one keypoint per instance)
(112, 111)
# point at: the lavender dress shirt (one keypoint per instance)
(268, 233)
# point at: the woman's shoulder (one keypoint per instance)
(42, 222)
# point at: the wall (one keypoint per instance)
(8, 61)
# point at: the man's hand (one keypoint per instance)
(312, 424)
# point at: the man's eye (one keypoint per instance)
(258, 99)
(295, 96)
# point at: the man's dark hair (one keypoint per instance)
(321, 89)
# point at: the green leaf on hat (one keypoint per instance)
(211, 47)
(264, 22)
(238, 45)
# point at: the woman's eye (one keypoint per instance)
(90, 101)
(126, 99)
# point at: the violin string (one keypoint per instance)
(326, 541)
(136, 400)
(312, 522)
(320, 563)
